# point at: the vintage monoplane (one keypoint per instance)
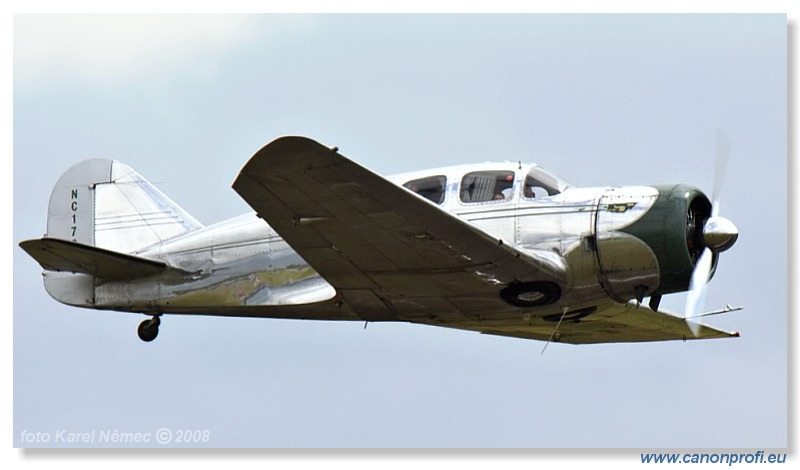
(498, 248)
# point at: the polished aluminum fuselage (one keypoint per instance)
(242, 267)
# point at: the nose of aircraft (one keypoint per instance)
(719, 234)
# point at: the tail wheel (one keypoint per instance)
(148, 329)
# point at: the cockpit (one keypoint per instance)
(487, 183)
(539, 184)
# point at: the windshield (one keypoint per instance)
(540, 183)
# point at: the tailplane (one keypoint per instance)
(54, 254)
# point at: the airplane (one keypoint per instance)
(504, 249)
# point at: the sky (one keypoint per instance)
(600, 100)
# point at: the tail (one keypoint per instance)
(101, 215)
(105, 203)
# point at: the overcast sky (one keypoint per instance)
(598, 100)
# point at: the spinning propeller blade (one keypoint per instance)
(719, 234)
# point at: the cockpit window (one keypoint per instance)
(482, 186)
(539, 184)
(431, 188)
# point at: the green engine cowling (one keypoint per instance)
(673, 229)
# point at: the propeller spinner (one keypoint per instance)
(719, 234)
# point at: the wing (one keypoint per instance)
(613, 323)
(390, 254)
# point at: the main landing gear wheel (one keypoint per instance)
(531, 294)
(148, 329)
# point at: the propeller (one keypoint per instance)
(718, 234)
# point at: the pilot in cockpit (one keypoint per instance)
(504, 189)
(534, 192)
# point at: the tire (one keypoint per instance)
(531, 294)
(148, 330)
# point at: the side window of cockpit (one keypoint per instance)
(539, 184)
(483, 186)
(431, 188)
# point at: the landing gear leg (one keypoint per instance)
(148, 329)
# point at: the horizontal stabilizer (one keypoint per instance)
(63, 255)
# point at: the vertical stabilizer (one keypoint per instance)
(105, 203)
